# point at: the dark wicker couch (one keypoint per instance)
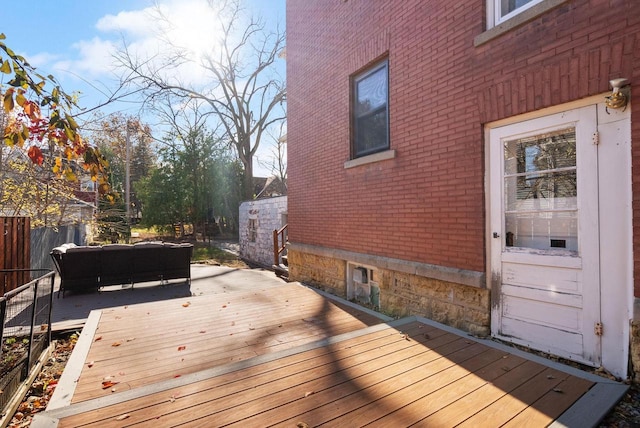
(87, 268)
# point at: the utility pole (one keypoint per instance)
(127, 184)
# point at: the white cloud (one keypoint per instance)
(94, 59)
(42, 59)
(189, 25)
(136, 23)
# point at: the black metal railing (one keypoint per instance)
(25, 330)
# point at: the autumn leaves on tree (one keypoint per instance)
(37, 118)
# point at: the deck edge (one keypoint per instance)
(520, 353)
(346, 302)
(592, 407)
(67, 385)
(42, 420)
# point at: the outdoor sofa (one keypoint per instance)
(87, 268)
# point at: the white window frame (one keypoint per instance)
(494, 11)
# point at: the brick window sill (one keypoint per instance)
(376, 157)
(516, 21)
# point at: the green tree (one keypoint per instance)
(163, 197)
(196, 181)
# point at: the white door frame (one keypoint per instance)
(616, 237)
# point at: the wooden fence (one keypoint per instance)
(15, 252)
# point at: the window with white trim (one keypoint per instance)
(506, 9)
(370, 110)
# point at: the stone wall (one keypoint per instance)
(326, 273)
(635, 342)
(465, 307)
(257, 221)
(635, 349)
(460, 306)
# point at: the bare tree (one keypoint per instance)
(244, 91)
(277, 163)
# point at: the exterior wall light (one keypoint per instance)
(620, 95)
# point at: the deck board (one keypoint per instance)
(294, 356)
(238, 381)
(181, 336)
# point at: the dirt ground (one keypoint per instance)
(38, 396)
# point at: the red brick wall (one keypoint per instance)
(427, 204)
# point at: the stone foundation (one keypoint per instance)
(634, 354)
(635, 350)
(460, 306)
(465, 307)
(324, 273)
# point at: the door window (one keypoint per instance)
(540, 187)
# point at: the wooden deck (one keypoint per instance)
(292, 357)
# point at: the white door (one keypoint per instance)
(544, 229)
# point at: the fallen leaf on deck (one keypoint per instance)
(122, 417)
(97, 338)
(130, 339)
(308, 393)
(558, 390)
(186, 304)
(108, 384)
(116, 344)
(203, 331)
(90, 364)
(182, 348)
(224, 306)
(302, 425)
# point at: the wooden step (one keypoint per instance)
(281, 270)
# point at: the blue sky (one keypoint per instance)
(73, 39)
